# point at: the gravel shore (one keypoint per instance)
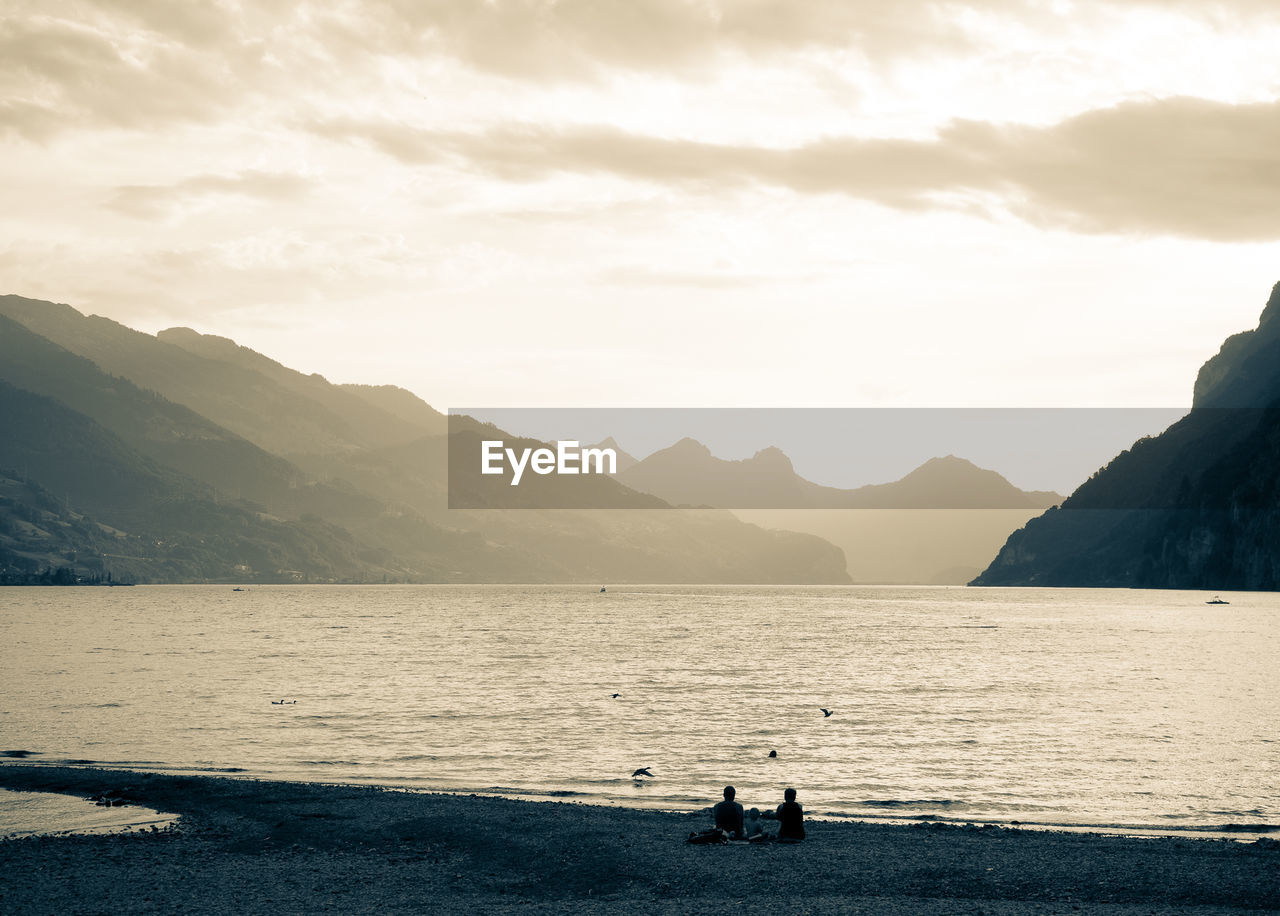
(247, 846)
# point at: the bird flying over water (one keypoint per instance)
(643, 771)
(826, 713)
(614, 695)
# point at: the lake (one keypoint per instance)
(1111, 708)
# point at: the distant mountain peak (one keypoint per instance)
(948, 461)
(689, 446)
(186, 333)
(772, 457)
(1271, 313)
(1245, 372)
(951, 465)
(625, 460)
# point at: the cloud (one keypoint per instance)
(185, 281)
(641, 276)
(150, 201)
(1179, 166)
(197, 23)
(408, 144)
(579, 39)
(142, 64)
(61, 75)
(30, 120)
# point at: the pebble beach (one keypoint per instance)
(249, 846)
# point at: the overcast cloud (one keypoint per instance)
(725, 183)
(1171, 166)
(148, 201)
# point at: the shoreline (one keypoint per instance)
(49, 814)
(246, 845)
(1243, 832)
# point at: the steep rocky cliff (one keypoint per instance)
(1196, 507)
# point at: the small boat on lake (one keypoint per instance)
(1217, 600)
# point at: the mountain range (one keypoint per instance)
(938, 525)
(687, 474)
(1197, 506)
(185, 457)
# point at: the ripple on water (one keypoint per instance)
(1043, 702)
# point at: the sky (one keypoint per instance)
(710, 203)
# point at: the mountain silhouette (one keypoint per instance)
(938, 525)
(687, 473)
(1197, 506)
(625, 459)
(308, 412)
(278, 409)
(234, 467)
(74, 494)
(403, 404)
(169, 434)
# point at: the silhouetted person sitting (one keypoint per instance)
(754, 827)
(790, 819)
(728, 814)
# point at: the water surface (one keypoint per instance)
(1101, 707)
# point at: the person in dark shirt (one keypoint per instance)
(728, 814)
(790, 818)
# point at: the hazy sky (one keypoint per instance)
(658, 202)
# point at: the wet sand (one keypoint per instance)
(246, 846)
(24, 813)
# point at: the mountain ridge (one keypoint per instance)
(275, 410)
(1197, 506)
(393, 524)
(687, 473)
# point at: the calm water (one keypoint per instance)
(24, 813)
(1103, 707)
